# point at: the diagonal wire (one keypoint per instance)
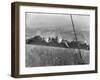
(76, 38)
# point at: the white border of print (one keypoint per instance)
(52, 69)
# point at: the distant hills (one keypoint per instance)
(56, 42)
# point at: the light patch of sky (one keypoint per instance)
(57, 21)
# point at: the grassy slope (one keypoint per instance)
(53, 56)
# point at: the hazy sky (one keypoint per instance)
(51, 25)
(56, 21)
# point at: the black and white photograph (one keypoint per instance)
(55, 39)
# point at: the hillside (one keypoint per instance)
(37, 55)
